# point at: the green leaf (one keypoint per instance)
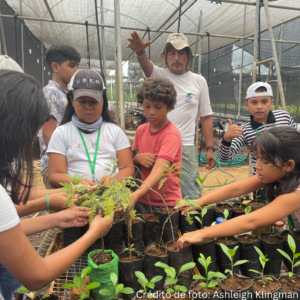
(170, 281)
(46, 296)
(226, 213)
(225, 250)
(65, 286)
(92, 285)
(259, 251)
(161, 265)
(219, 275)
(156, 279)
(229, 271)
(213, 283)
(291, 243)
(84, 295)
(84, 272)
(203, 212)
(255, 271)
(296, 255)
(269, 278)
(105, 292)
(203, 284)
(210, 275)
(198, 219)
(171, 272)
(247, 210)
(290, 274)
(202, 262)
(119, 288)
(192, 203)
(180, 288)
(114, 278)
(199, 277)
(77, 280)
(150, 285)
(141, 278)
(169, 290)
(127, 291)
(193, 212)
(23, 290)
(297, 264)
(240, 262)
(285, 255)
(186, 267)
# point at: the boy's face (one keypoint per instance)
(66, 70)
(260, 107)
(155, 111)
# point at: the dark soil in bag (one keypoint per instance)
(197, 290)
(256, 204)
(269, 245)
(248, 252)
(153, 254)
(152, 230)
(219, 209)
(222, 259)
(287, 249)
(127, 271)
(177, 259)
(136, 237)
(51, 297)
(237, 287)
(238, 210)
(290, 286)
(184, 225)
(207, 248)
(162, 217)
(272, 289)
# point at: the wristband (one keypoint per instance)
(47, 197)
(140, 53)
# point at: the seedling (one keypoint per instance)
(78, 281)
(203, 213)
(292, 246)
(247, 210)
(118, 288)
(170, 173)
(188, 203)
(231, 253)
(23, 290)
(208, 283)
(221, 184)
(263, 260)
(225, 213)
(201, 181)
(143, 281)
(173, 278)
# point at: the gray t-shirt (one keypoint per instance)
(57, 101)
(66, 140)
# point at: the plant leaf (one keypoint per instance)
(171, 272)
(290, 274)
(92, 285)
(150, 285)
(119, 288)
(259, 251)
(84, 295)
(240, 262)
(219, 275)
(285, 255)
(170, 281)
(23, 290)
(141, 278)
(203, 284)
(77, 280)
(269, 278)
(180, 288)
(296, 255)
(255, 271)
(161, 265)
(169, 290)
(84, 272)
(186, 267)
(127, 291)
(105, 292)
(156, 279)
(199, 277)
(46, 296)
(226, 213)
(291, 243)
(213, 283)
(297, 264)
(225, 250)
(114, 278)
(247, 210)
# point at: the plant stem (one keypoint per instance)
(129, 246)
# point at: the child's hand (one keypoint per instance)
(105, 179)
(72, 217)
(188, 208)
(57, 201)
(189, 238)
(100, 226)
(88, 183)
(147, 160)
(232, 132)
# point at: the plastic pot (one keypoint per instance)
(289, 287)
(273, 266)
(177, 259)
(162, 217)
(152, 231)
(127, 271)
(114, 240)
(254, 207)
(184, 225)
(238, 213)
(220, 214)
(207, 249)
(214, 293)
(287, 249)
(71, 235)
(137, 228)
(245, 293)
(223, 260)
(208, 218)
(249, 253)
(262, 294)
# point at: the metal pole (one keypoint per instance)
(258, 45)
(103, 38)
(99, 46)
(208, 58)
(257, 12)
(200, 46)
(280, 57)
(42, 59)
(118, 59)
(197, 40)
(241, 69)
(180, 4)
(16, 37)
(148, 29)
(22, 46)
(280, 87)
(87, 44)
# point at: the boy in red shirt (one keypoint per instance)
(159, 144)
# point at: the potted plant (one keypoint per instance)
(235, 285)
(223, 210)
(206, 285)
(146, 284)
(152, 229)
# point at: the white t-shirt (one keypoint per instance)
(192, 97)
(8, 214)
(66, 140)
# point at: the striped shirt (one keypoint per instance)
(228, 150)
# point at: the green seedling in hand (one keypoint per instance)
(295, 255)
(208, 283)
(173, 277)
(78, 281)
(23, 290)
(118, 288)
(221, 184)
(143, 281)
(247, 209)
(188, 203)
(230, 254)
(263, 260)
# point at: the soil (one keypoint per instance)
(156, 251)
(149, 217)
(98, 259)
(226, 241)
(249, 239)
(236, 284)
(164, 210)
(270, 286)
(186, 296)
(257, 204)
(290, 284)
(117, 218)
(239, 208)
(222, 207)
(134, 221)
(132, 258)
(270, 238)
(210, 292)
(295, 235)
(172, 246)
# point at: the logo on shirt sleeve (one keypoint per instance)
(188, 98)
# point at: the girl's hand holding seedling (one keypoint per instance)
(100, 226)
(189, 238)
(188, 208)
(72, 217)
(57, 201)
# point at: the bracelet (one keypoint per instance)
(47, 197)
(140, 53)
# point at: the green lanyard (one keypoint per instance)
(258, 132)
(87, 152)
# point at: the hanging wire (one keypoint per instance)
(16, 38)
(87, 44)
(180, 5)
(208, 45)
(148, 30)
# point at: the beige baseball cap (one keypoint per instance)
(8, 63)
(178, 41)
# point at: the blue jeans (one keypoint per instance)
(8, 284)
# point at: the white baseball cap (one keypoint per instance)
(251, 92)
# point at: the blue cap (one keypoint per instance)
(220, 220)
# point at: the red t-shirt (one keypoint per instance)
(167, 144)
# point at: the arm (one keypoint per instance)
(152, 180)
(138, 46)
(48, 129)
(125, 164)
(44, 270)
(281, 207)
(39, 193)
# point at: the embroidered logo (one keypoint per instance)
(188, 98)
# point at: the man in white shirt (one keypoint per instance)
(192, 97)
